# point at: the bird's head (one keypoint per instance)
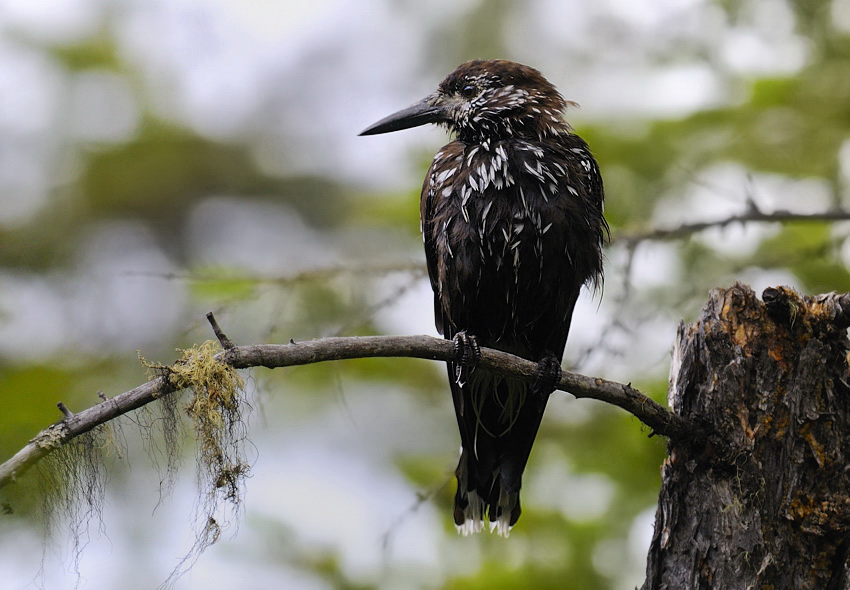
(487, 100)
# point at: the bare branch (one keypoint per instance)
(648, 411)
(752, 214)
(306, 276)
(64, 409)
(226, 343)
(272, 356)
(62, 432)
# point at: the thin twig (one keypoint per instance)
(752, 214)
(226, 343)
(64, 409)
(306, 276)
(272, 356)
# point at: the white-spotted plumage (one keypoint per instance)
(512, 223)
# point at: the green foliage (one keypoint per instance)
(400, 211)
(556, 555)
(98, 52)
(24, 415)
(165, 169)
(809, 251)
(221, 284)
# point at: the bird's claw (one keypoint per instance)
(548, 375)
(467, 353)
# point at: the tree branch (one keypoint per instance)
(752, 214)
(272, 356)
(630, 239)
(305, 276)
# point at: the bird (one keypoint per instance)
(513, 226)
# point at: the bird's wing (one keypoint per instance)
(434, 196)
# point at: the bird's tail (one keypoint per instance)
(501, 506)
(470, 507)
(500, 420)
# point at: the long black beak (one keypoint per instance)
(419, 114)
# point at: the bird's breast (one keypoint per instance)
(498, 225)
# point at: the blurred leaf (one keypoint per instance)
(30, 394)
(227, 286)
(98, 52)
(167, 168)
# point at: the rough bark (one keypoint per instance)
(765, 501)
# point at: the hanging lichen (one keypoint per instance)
(161, 429)
(215, 409)
(73, 476)
(73, 483)
(216, 413)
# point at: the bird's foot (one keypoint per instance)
(548, 375)
(467, 353)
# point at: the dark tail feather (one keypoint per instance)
(495, 449)
(505, 508)
(470, 506)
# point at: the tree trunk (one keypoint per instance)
(764, 503)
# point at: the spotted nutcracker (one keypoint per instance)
(513, 228)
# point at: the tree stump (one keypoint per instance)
(763, 500)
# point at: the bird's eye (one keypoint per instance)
(469, 91)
